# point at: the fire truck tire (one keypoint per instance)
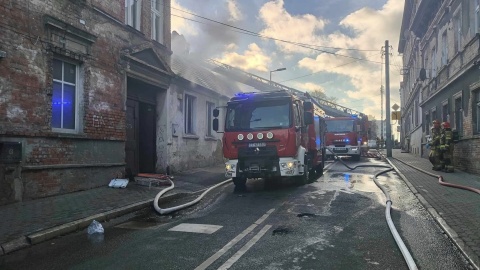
(319, 170)
(305, 178)
(240, 183)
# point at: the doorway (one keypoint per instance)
(140, 145)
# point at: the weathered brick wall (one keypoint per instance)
(57, 162)
(26, 79)
(466, 155)
(46, 182)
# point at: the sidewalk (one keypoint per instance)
(456, 210)
(35, 221)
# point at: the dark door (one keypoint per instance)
(146, 136)
(131, 145)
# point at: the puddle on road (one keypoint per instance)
(349, 182)
(281, 231)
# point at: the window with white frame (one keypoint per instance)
(133, 13)
(445, 111)
(157, 20)
(444, 48)
(210, 107)
(427, 124)
(189, 113)
(458, 113)
(65, 96)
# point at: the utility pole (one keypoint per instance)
(387, 101)
(381, 117)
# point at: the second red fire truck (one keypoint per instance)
(347, 136)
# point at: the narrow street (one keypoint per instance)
(337, 222)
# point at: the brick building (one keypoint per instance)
(440, 44)
(82, 87)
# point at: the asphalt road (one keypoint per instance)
(337, 222)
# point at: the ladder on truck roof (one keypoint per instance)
(331, 109)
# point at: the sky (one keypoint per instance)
(338, 43)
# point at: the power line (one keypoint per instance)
(298, 44)
(255, 33)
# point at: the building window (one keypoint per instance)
(189, 114)
(427, 124)
(157, 20)
(476, 112)
(477, 16)
(132, 13)
(415, 112)
(210, 107)
(445, 112)
(458, 115)
(434, 64)
(444, 48)
(64, 96)
(458, 32)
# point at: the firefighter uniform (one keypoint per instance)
(435, 155)
(446, 147)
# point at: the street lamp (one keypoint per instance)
(278, 69)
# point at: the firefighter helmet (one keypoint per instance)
(445, 125)
(436, 124)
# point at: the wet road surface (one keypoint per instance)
(336, 222)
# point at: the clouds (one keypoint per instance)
(252, 59)
(206, 37)
(281, 25)
(370, 29)
(355, 83)
(234, 11)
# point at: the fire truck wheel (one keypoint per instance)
(305, 178)
(319, 170)
(240, 183)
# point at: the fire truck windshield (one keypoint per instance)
(339, 125)
(257, 115)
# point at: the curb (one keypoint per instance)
(47, 234)
(467, 252)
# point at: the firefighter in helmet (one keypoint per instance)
(435, 155)
(446, 147)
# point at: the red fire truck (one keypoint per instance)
(271, 135)
(347, 136)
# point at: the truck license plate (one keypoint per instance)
(257, 144)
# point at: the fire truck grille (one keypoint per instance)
(340, 150)
(258, 161)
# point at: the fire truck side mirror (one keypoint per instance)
(215, 124)
(216, 113)
(308, 106)
(308, 118)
